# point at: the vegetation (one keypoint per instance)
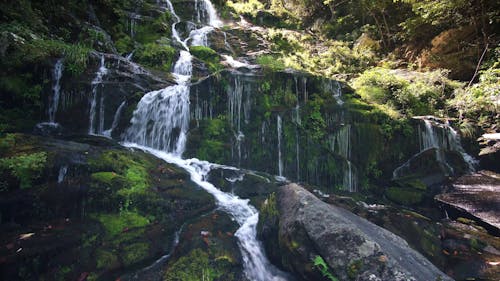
(25, 167)
(323, 267)
(193, 267)
(208, 56)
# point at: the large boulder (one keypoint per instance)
(318, 241)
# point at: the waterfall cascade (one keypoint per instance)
(441, 137)
(56, 88)
(101, 72)
(280, 133)
(159, 126)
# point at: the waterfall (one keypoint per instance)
(340, 143)
(56, 88)
(159, 126)
(62, 173)
(335, 88)
(279, 131)
(116, 119)
(101, 72)
(441, 137)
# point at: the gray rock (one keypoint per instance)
(352, 247)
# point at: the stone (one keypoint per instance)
(310, 231)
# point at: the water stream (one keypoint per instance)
(101, 72)
(159, 126)
(56, 88)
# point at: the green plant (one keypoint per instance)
(323, 267)
(25, 167)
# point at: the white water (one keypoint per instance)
(101, 72)
(62, 173)
(279, 131)
(340, 143)
(56, 88)
(441, 137)
(159, 126)
(116, 119)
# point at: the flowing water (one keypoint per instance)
(116, 119)
(280, 159)
(56, 88)
(159, 126)
(101, 72)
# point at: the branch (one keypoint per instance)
(478, 65)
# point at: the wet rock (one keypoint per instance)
(317, 239)
(96, 207)
(476, 196)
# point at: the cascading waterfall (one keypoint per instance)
(441, 137)
(159, 126)
(56, 88)
(279, 131)
(116, 119)
(101, 72)
(340, 143)
(298, 122)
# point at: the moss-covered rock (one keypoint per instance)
(109, 209)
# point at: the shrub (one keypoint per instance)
(25, 167)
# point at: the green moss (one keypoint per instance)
(271, 62)
(105, 259)
(115, 223)
(25, 167)
(156, 55)
(404, 196)
(132, 169)
(269, 208)
(104, 177)
(194, 266)
(208, 56)
(135, 253)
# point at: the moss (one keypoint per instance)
(208, 56)
(271, 62)
(104, 177)
(135, 253)
(353, 269)
(159, 56)
(269, 208)
(105, 259)
(25, 167)
(116, 223)
(404, 196)
(192, 267)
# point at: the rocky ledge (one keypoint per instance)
(475, 196)
(318, 241)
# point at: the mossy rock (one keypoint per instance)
(404, 196)
(135, 253)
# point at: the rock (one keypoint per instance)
(476, 196)
(317, 240)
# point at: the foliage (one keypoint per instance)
(480, 101)
(323, 267)
(271, 62)
(409, 92)
(25, 167)
(156, 55)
